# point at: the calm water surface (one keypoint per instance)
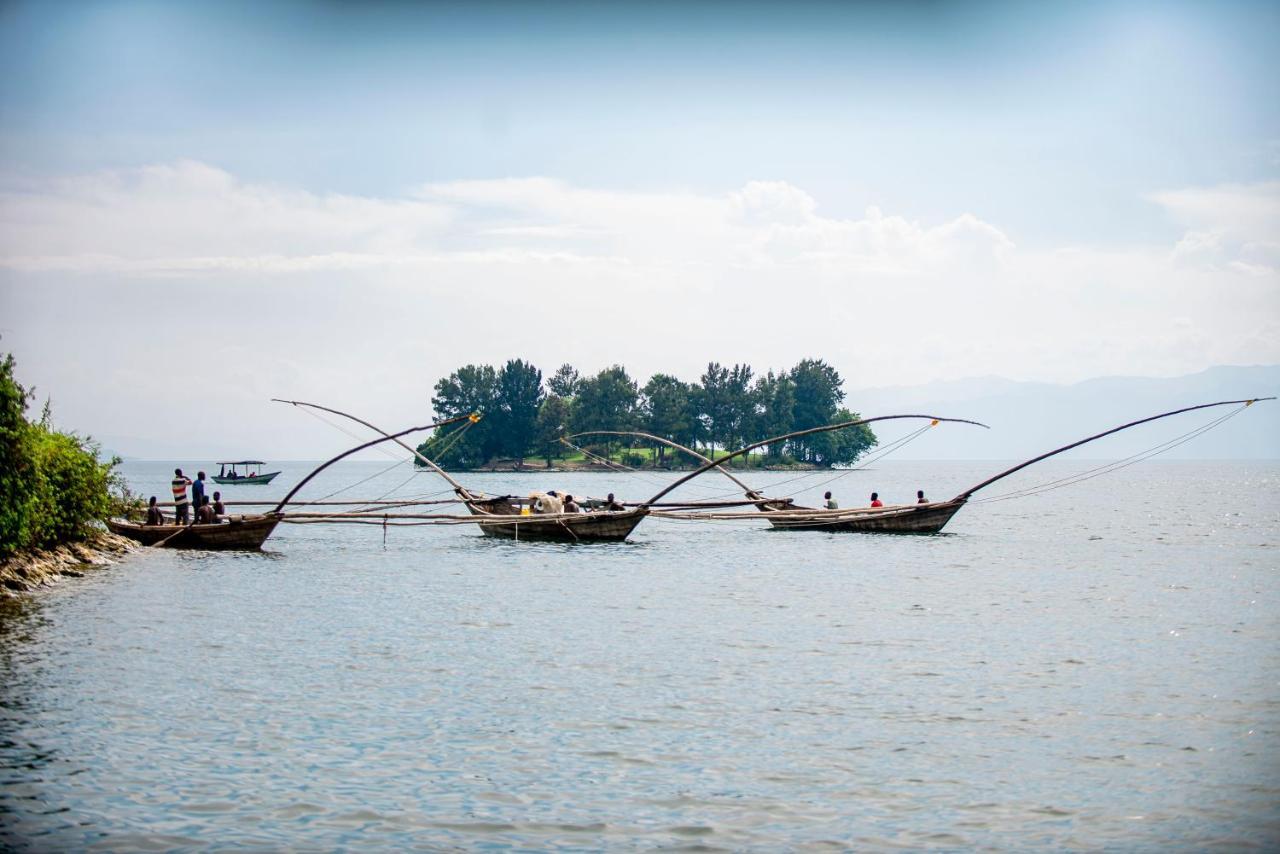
(1095, 667)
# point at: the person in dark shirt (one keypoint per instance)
(920, 499)
(197, 492)
(154, 516)
(219, 509)
(875, 500)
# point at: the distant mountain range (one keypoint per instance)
(1028, 418)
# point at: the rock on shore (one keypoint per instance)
(24, 572)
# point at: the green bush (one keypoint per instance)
(52, 485)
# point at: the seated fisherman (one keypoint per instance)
(154, 516)
(571, 506)
(875, 500)
(831, 504)
(920, 499)
(204, 516)
(611, 504)
(219, 509)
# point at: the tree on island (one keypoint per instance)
(553, 422)
(606, 401)
(726, 409)
(472, 388)
(519, 395)
(774, 398)
(564, 382)
(664, 410)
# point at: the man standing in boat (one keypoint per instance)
(197, 493)
(180, 506)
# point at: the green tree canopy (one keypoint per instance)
(775, 403)
(52, 484)
(519, 395)
(664, 409)
(564, 382)
(818, 392)
(473, 388)
(730, 407)
(606, 401)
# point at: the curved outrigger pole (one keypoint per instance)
(964, 496)
(387, 437)
(500, 517)
(457, 487)
(795, 435)
(751, 493)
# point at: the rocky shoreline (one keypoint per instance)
(22, 573)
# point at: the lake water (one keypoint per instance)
(1095, 667)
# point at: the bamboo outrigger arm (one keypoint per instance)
(750, 493)
(386, 437)
(795, 435)
(457, 487)
(964, 496)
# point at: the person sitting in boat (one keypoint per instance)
(219, 509)
(920, 499)
(571, 506)
(154, 516)
(611, 504)
(831, 504)
(875, 500)
(204, 516)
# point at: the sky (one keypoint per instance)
(207, 205)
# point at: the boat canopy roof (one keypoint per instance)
(242, 463)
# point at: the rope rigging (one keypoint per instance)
(1114, 465)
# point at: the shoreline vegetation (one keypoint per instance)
(54, 494)
(524, 418)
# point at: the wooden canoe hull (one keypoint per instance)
(606, 527)
(899, 519)
(256, 479)
(244, 533)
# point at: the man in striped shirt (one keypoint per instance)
(180, 506)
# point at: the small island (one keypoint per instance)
(532, 425)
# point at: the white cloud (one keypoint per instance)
(1231, 226)
(188, 218)
(368, 301)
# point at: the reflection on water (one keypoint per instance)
(1096, 667)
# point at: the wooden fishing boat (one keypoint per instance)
(892, 519)
(512, 523)
(244, 533)
(928, 518)
(502, 516)
(234, 476)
